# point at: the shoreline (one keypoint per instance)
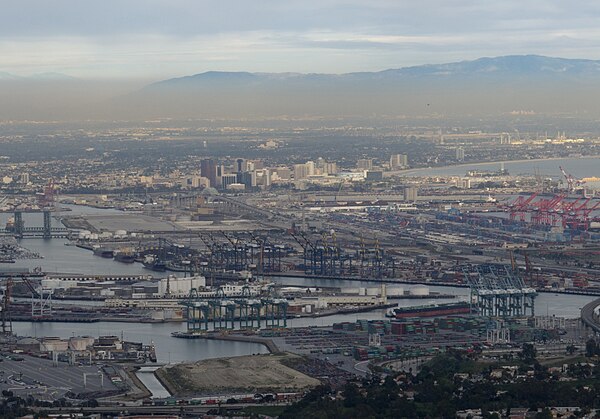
(409, 172)
(211, 335)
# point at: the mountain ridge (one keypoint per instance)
(503, 66)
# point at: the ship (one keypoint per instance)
(10, 224)
(154, 263)
(103, 252)
(433, 310)
(125, 255)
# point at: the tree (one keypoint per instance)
(591, 348)
(352, 396)
(571, 349)
(544, 414)
(528, 353)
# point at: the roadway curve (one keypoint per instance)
(587, 315)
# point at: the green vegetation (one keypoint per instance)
(453, 382)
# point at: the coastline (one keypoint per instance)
(268, 343)
(410, 172)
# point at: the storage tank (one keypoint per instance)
(80, 343)
(84, 234)
(54, 344)
(419, 290)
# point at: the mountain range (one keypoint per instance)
(489, 69)
(483, 86)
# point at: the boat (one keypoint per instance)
(432, 310)
(103, 252)
(153, 262)
(10, 224)
(125, 255)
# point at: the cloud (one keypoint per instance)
(156, 39)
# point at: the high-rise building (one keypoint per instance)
(24, 178)
(228, 179)
(330, 168)
(463, 183)
(239, 165)
(398, 161)
(460, 154)
(208, 169)
(302, 171)
(248, 179)
(411, 193)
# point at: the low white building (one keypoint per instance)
(179, 287)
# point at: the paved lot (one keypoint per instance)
(39, 376)
(129, 222)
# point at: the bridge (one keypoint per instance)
(590, 315)
(46, 231)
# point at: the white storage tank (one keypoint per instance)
(419, 290)
(84, 234)
(80, 343)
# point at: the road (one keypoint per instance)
(587, 315)
(187, 410)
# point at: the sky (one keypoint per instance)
(154, 39)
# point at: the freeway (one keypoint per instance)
(184, 410)
(587, 315)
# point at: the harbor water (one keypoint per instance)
(581, 167)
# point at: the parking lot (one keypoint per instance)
(25, 375)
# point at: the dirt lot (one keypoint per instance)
(255, 373)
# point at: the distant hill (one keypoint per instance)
(486, 86)
(500, 84)
(507, 67)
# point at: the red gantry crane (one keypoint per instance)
(520, 207)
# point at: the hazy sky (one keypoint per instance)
(154, 39)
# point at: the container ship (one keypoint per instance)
(103, 252)
(154, 263)
(125, 256)
(434, 310)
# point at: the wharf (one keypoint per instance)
(268, 343)
(416, 282)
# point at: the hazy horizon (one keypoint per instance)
(70, 60)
